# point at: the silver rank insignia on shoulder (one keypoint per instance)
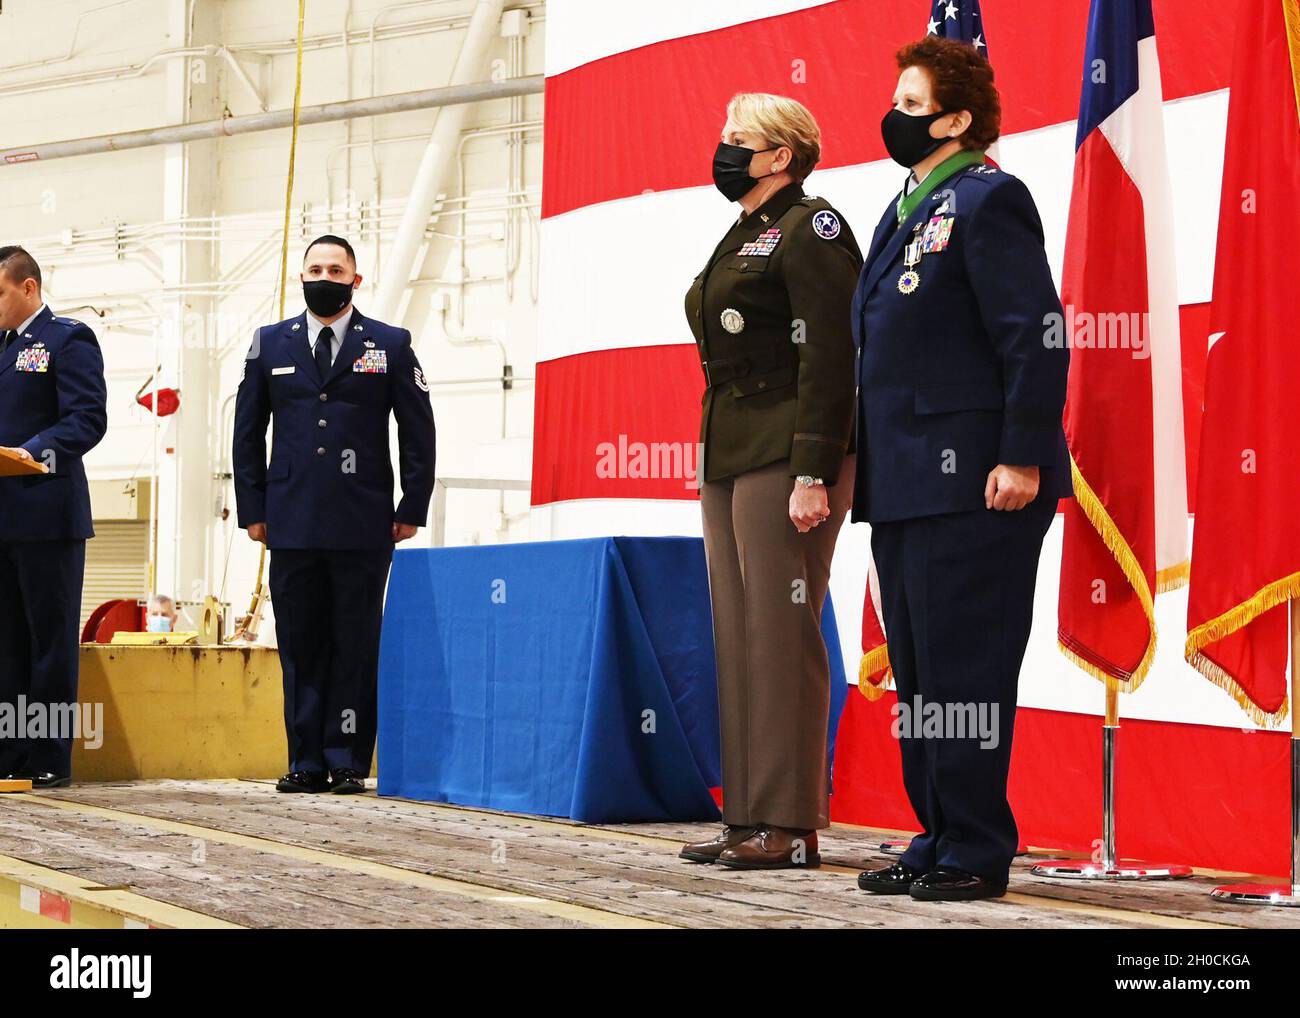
(826, 224)
(733, 321)
(420, 383)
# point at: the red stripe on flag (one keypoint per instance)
(1103, 621)
(1180, 790)
(649, 118)
(1194, 328)
(617, 424)
(584, 398)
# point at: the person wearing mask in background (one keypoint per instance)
(962, 457)
(53, 410)
(161, 614)
(330, 378)
(770, 315)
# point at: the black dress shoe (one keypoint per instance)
(303, 781)
(895, 879)
(347, 782)
(955, 885)
(45, 779)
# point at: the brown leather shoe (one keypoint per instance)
(708, 851)
(773, 848)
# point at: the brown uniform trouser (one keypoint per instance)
(767, 583)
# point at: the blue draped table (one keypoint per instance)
(563, 678)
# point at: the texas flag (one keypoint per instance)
(1125, 535)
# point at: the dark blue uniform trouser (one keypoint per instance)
(328, 609)
(40, 609)
(957, 593)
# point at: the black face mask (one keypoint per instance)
(907, 138)
(325, 297)
(731, 170)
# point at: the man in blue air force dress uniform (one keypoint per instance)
(52, 411)
(962, 460)
(324, 505)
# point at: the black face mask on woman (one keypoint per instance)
(731, 170)
(325, 297)
(907, 137)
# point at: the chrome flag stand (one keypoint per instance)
(1279, 894)
(1109, 866)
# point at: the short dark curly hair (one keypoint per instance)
(961, 80)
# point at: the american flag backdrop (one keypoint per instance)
(634, 106)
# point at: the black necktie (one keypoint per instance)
(323, 358)
(5, 338)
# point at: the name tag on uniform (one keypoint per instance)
(34, 358)
(372, 362)
(283, 371)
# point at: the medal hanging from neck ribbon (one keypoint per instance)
(911, 279)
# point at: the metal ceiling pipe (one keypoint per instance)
(436, 163)
(402, 102)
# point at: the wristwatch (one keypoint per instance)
(808, 481)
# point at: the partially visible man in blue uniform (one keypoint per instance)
(330, 378)
(961, 460)
(53, 411)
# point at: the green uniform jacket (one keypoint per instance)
(770, 315)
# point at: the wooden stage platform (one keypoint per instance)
(239, 854)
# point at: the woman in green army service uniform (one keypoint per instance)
(770, 314)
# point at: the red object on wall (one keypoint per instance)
(169, 401)
(124, 616)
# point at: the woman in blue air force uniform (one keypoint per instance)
(962, 458)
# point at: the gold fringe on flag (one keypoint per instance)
(1265, 599)
(1291, 14)
(1174, 576)
(872, 662)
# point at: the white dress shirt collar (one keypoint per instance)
(28, 324)
(338, 328)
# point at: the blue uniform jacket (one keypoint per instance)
(329, 484)
(956, 377)
(53, 403)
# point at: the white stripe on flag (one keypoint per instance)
(1136, 132)
(580, 31)
(614, 274)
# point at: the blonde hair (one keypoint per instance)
(780, 121)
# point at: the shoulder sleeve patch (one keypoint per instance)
(826, 224)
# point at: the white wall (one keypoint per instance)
(172, 252)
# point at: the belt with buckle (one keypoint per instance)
(728, 369)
